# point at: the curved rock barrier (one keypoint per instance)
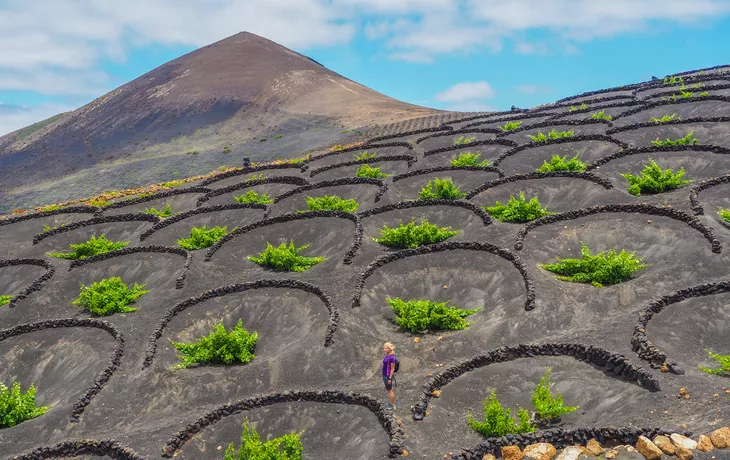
(602, 181)
(671, 92)
(630, 208)
(297, 216)
(486, 220)
(654, 149)
(194, 212)
(355, 148)
(593, 107)
(461, 130)
(109, 448)
(250, 169)
(420, 172)
(243, 287)
(614, 364)
(660, 103)
(694, 192)
(103, 377)
(562, 140)
(293, 180)
(37, 283)
(132, 217)
(179, 281)
(410, 159)
(556, 121)
(543, 112)
(385, 416)
(682, 121)
(639, 341)
(451, 148)
(336, 183)
(36, 215)
(449, 246)
(155, 196)
(435, 129)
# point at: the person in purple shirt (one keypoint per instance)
(388, 371)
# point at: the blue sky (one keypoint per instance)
(451, 54)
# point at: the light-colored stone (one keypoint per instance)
(572, 453)
(594, 447)
(683, 441)
(540, 451)
(665, 444)
(684, 454)
(721, 438)
(704, 444)
(648, 449)
(511, 453)
(611, 453)
(436, 393)
(489, 457)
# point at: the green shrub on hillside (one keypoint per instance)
(672, 80)
(704, 94)
(420, 315)
(601, 116)
(364, 156)
(463, 140)
(510, 126)
(285, 258)
(607, 267)
(689, 139)
(100, 203)
(202, 237)
(368, 171)
(165, 213)
(469, 159)
(654, 180)
(499, 421)
(219, 347)
(17, 407)
(94, 246)
(722, 360)
(252, 196)
(50, 208)
(724, 214)
(547, 406)
(573, 108)
(5, 299)
(331, 203)
(551, 135)
(517, 210)
(441, 189)
(109, 296)
(665, 119)
(287, 447)
(410, 235)
(558, 163)
(172, 183)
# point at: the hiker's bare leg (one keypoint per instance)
(391, 397)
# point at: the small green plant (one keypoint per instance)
(704, 94)
(463, 140)
(253, 197)
(16, 407)
(551, 135)
(263, 139)
(724, 214)
(654, 180)
(331, 203)
(296, 161)
(368, 171)
(165, 213)
(547, 406)
(689, 139)
(5, 299)
(558, 163)
(100, 203)
(499, 421)
(410, 235)
(202, 237)
(287, 447)
(109, 296)
(192, 152)
(469, 159)
(441, 189)
(672, 80)
(219, 347)
(48, 228)
(172, 183)
(255, 177)
(517, 210)
(420, 315)
(285, 258)
(572, 108)
(601, 116)
(337, 148)
(607, 267)
(176, 173)
(94, 246)
(227, 149)
(722, 360)
(278, 136)
(50, 207)
(510, 126)
(364, 156)
(665, 119)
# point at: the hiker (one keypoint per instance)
(390, 367)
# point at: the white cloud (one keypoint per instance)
(466, 91)
(14, 117)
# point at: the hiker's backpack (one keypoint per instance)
(397, 365)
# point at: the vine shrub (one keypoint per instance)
(499, 421)
(287, 447)
(654, 180)
(368, 171)
(252, 196)
(665, 119)
(410, 235)
(510, 126)
(331, 203)
(16, 406)
(558, 163)
(419, 315)
(724, 215)
(547, 406)
(285, 258)
(601, 116)
(109, 296)
(573, 108)
(722, 361)
(219, 347)
(94, 246)
(672, 80)
(99, 203)
(517, 209)
(441, 189)
(202, 237)
(463, 140)
(364, 156)
(165, 213)
(551, 135)
(607, 267)
(469, 159)
(5, 299)
(689, 139)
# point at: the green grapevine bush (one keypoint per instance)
(16, 407)
(469, 159)
(285, 258)
(287, 447)
(722, 361)
(364, 156)
(165, 213)
(665, 118)
(441, 189)
(411, 235)
(575, 109)
(558, 163)
(219, 347)
(331, 203)
(601, 116)
(463, 140)
(607, 267)
(551, 135)
(419, 315)
(253, 197)
(202, 237)
(5, 299)
(109, 296)
(368, 171)
(724, 214)
(510, 126)
(654, 180)
(499, 421)
(547, 406)
(517, 210)
(94, 246)
(689, 139)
